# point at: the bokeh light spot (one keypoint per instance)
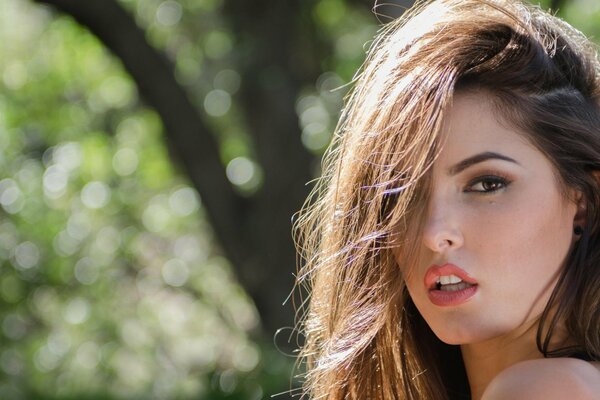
(77, 311)
(59, 342)
(55, 181)
(175, 272)
(68, 156)
(79, 225)
(316, 113)
(240, 171)
(125, 161)
(11, 197)
(217, 44)
(65, 244)
(88, 355)
(228, 80)
(217, 103)
(108, 240)
(45, 360)
(86, 272)
(131, 368)
(228, 381)
(135, 334)
(14, 326)
(246, 358)
(315, 136)
(27, 255)
(156, 217)
(115, 92)
(330, 12)
(184, 201)
(169, 13)
(191, 248)
(95, 194)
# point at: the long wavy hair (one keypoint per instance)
(364, 338)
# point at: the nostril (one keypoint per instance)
(441, 235)
(445, 242)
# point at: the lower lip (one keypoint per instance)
(445, 298)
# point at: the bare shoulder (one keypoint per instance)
(548, 379)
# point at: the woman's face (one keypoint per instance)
(496, 221)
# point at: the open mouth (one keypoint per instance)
(451, 283)
(454, 287)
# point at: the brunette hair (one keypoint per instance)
(364, 338)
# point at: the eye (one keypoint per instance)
(487, 184)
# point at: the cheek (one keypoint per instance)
(409, 274)
(526, 245)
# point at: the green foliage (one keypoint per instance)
(112, 285)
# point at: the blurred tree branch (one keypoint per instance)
(189, 136)
(254, 233)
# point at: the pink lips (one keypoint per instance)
(448, 298)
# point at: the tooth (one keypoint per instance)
(455, 287)
(449, 279)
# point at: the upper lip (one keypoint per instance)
(435, 271)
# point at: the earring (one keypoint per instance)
(578, 230)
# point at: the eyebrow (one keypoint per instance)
(477, 158)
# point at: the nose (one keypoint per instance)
(441, 232)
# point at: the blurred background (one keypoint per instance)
(152, 154)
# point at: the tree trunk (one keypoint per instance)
(255, 234)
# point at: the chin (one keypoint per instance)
(455, 334)
(454, 339)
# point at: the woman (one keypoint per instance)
(451, 248)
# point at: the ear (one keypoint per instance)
(581, 201)
(579, 219)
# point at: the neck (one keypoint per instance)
(485, 360)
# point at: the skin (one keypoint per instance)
(509, 226)
(546, 379)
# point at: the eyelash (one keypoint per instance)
(491, 177)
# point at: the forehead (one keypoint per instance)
(472, 124)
